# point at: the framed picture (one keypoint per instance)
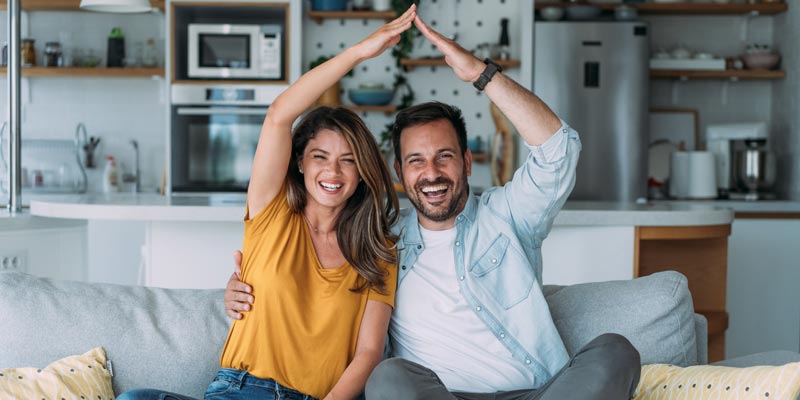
(677, 125)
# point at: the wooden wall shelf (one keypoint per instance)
(384, 109)
(687, 8)
(319, 16)
(88, 72)
(62, 5)
(412, 63)
(727, 74)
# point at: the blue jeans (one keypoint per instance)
(230, 384)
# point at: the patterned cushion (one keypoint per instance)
(663, 382)
(74, 377)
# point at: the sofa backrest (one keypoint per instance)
(654, 312)
(171, 338)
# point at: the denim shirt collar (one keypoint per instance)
(411, 235)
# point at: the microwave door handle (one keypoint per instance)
(218, 111)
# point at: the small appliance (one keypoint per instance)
(235, 51)
(745, 169)
(692, 175)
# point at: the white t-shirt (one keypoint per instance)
(434, 326)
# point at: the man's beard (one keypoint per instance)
(456, 202)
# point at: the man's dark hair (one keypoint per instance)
(425, 113)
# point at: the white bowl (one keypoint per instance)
(551, 13)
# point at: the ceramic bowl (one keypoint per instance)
(761, 60)
(551, 13)
(581, 12)
(329, 5)
(371, 96)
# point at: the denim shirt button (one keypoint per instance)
(461, 277)
(527, 361)
(494, 261)
(458, 243)
(403, 267)
(565, 131)
(502, 335)
(419, 246)
(478, 308)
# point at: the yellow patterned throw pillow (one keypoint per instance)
(81, 377)
(663, 382)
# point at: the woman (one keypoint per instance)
(316, 250)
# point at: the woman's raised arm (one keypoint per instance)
(275, 143)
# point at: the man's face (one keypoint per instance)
(434, 172)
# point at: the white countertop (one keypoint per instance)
(230, 208)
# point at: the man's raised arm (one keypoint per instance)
(530, 115)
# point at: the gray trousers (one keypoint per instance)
(606, 368)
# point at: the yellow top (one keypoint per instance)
(303, 327)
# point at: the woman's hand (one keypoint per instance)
(386, 36)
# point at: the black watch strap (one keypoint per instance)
(487, 74)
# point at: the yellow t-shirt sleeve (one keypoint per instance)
(258, 223)
(391, 286)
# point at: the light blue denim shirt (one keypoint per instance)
(498, 252)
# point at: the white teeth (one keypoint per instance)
(330, 186)
(436, 188)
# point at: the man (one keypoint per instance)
(470, 320)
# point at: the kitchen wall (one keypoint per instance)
(116, 109)
(121, 109)
(786, 103)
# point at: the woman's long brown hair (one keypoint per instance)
(363, 226)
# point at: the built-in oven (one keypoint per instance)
(214, 135)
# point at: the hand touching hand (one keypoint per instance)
(466, 66)
(387, 35)
(237, 293)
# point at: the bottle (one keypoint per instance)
(52, 54)
(116, 48)
(150, 58)
(504, 51)
(28, 58)
(110, 176)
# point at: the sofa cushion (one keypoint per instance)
(664, 382)
(163, 338)
(84, 376)
(654, 312)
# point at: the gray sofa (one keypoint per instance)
(171, 339)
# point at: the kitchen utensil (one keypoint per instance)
(371, 96)
(755, 168)
(761, 60)
(551, 13)
(692, 175)
(725, 140)
(625, 13)
(582, 12)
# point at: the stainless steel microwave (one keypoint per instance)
(235, 51)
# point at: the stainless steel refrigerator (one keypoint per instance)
(594, 76)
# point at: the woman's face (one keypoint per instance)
(329, 170)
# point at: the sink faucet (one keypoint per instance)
(134, 177)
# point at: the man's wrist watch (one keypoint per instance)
(487, 74)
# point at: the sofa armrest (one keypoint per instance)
(701, 336)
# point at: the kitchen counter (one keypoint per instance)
(230, 208)
(748, 209)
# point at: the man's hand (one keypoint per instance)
(466, 66)
(237, 293)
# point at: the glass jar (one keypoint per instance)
(28, 53)
(52, 54)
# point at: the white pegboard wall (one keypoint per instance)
(474, 22)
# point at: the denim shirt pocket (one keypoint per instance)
(503, 273)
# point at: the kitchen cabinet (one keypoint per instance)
(44, 247)
(763, 280)
(733, 74)
(411, 63)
